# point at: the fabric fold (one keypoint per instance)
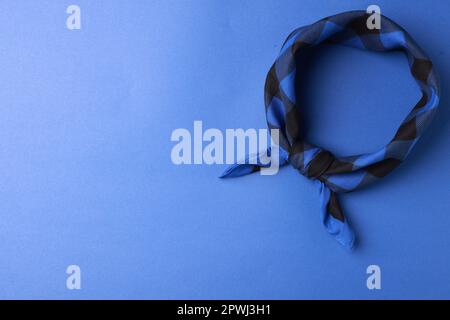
(252, 163)
(332, 217)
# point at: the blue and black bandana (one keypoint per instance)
(342, 174)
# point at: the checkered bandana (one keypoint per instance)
(342, 174)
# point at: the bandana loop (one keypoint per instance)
(334, 174)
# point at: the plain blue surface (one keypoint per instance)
(86, 176)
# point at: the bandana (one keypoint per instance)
(333, 174)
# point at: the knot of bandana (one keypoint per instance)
(316, 167)
(342, 174)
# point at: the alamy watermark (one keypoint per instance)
(374, 280)
(73, 21)
(73, 281)
(374, 20)
(212, 146)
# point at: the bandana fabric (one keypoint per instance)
(341, 174)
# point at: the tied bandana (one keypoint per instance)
(334, 174)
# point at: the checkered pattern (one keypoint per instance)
(342, 174)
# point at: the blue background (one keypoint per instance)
(86, 176)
